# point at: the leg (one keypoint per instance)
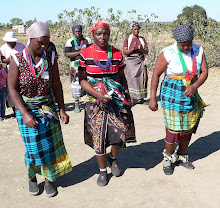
(115, 151)
(101, 161)
(170, 148)
(49, 188)
(116, 171)
(33, 187)
(76, 109)
(170, 156)
(102, 179)
(183, 159)
(14, 114)
(183, 146)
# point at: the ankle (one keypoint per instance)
(47, 182)
(33, 179)
(103, 169)
(110, 155)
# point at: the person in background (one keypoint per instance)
(108, 117)
(185, 68)
(73, 48)
(135, 48)
(33, 75)
(51, 47)
(3, 90)
(9, 48)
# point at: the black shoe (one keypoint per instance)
(113, 163)
(50, 190)
(168, 167)
(186, 164)
(33, 188)
(183, 160)
(102, 179)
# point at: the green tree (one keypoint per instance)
(30, 22)
(189, 14)
(16, 21)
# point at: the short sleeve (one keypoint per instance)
(121, 64)
(82, 64)
(125, 42)
(166, 54)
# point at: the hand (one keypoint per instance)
(141, 49)
(64, 117)
(83, 47)
(30, 121)
(153, 105)
(128, 98)
(190, 91)
(103, 97)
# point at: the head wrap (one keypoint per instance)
(183, 33)
(77, 27)
(37, 30)
(98, 25)
(135, 24)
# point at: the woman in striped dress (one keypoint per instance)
(108, 117)
(185, 68)
(32, 78)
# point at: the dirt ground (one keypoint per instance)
(142, 184)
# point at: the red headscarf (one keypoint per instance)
(98, 25)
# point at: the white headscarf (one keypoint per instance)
(37, 30)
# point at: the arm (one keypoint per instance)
(72, 54)
(123, 82)
(69, 54)
(101, 96)
(192, 89)
(5, 60)
(13, 85)
(58, 92)
(128, 52)
(159, 68)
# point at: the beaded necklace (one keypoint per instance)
(31, 64)
(76, 44)
(95, 58)
(188, 75)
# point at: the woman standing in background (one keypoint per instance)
(135, 48)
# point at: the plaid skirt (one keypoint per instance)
(45, 150)
(181, 113)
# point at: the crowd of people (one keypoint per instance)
(98, 71)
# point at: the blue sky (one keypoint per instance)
(43, 10)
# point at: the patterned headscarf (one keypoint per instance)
(77, 27)
(183, 33)
(37, 30)
(135, 24)
(98, 25)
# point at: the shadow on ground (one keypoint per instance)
(145, 155)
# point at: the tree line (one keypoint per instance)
(158, 34)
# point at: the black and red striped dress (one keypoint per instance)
(103, 127)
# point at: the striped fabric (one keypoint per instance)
(137, 77)
(45, 150)
(87, 64)
(180, 113)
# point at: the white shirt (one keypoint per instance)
(7, 51)
(174, 65)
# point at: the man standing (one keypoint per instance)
(73, 48)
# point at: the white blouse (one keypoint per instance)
(174, 65)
